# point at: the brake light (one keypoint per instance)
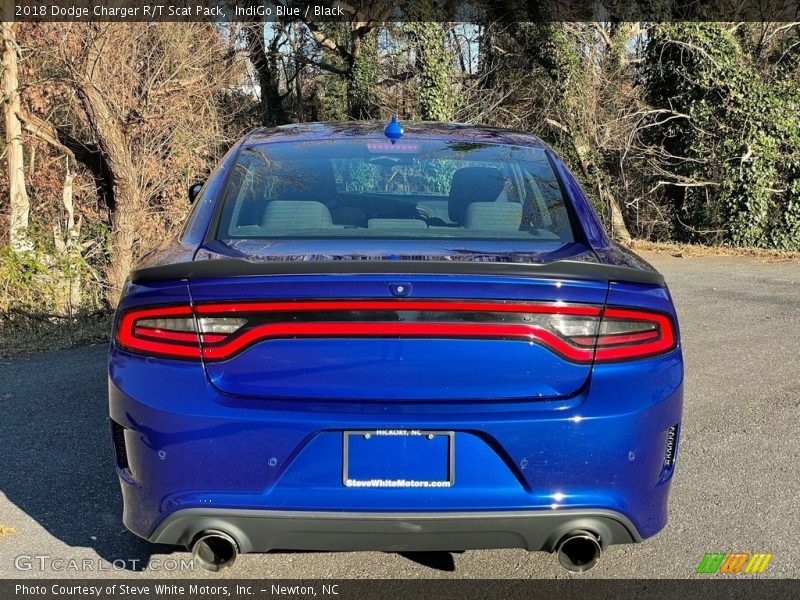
(172, 331)
(217, 331)
(632, 333)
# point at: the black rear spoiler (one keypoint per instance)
(238, 267)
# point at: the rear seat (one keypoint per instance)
(287, 215)
(396, 224)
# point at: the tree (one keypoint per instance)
(264, 58)
(435, 66)
(559, 49)
(140, 110)
(350, 51)
(17, 191)
(731, 163)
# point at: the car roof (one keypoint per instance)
(374, 130)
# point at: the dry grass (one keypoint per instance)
(22, 334)
(692, 250)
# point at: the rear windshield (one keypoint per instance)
(409, 189)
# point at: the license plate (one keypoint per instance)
(398, 458)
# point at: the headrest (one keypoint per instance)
(473, 184)
(291, 214)
(315, 180)
(494, 216)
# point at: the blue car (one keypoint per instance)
(388, 338)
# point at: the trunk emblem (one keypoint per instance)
(400, 290)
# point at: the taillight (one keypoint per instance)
(627, 333)
(162, 331)
(620, 334)
(217, 331)
(172, 331)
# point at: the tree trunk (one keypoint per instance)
(18, 194)
(266, 67)
(89, 155)
(68, 247)
(361, 77)
(619, 230)
(73, 243)
(488, 57)
(434, 62)
(129, 197)
(125, 223)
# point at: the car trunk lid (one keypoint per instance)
(393, 330)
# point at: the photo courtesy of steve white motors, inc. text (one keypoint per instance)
(192, 590)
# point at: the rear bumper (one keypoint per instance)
(270, 472)
(264, 530)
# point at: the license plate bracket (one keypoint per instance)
(398, 458)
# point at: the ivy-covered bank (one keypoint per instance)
(734, 141)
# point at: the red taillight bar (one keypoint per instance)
(657, 339)
(400, 330)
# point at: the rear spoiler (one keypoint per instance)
(238, 267)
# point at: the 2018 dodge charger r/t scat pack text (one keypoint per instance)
(374, 339)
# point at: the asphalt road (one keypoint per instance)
(737, 487)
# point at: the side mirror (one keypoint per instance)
(194, 190)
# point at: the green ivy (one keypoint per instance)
(363, 75)
(37, 282)
(434, 62)
(741, 140)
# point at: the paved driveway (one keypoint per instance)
(737, 487)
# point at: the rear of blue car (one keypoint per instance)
(417, 344)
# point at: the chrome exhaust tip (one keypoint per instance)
(214, 550)
(579, 551)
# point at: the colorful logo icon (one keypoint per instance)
(736, 562)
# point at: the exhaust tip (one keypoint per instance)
(579, 551)
(214, 550)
